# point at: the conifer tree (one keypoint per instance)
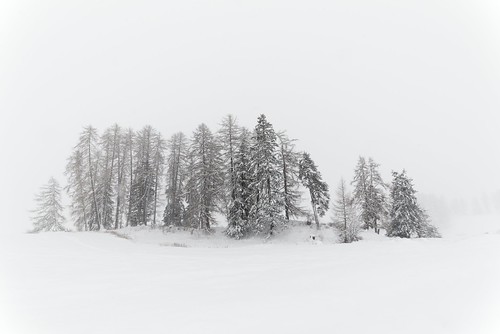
(176, 174)
(239, 208)
(360, 193)
(318, 189)
(267, 180)
(48, 214)
(78, 191)
(159, 147)
(345, 219)
(206, 178)
(228, 137)
(109, 144)
(407, 219)
(289, 164)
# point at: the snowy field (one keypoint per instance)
(186, 283)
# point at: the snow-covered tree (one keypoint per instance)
(109, 146)
(407, 219)
(48, 213)
(318, 189)
(158, 162)
(239, 208)
(84, 167)
(369, 193)
(267, 179)
(345, 219)
(206, 178)
(129, 161)
(289, 164)
(176, 173)
(143, 186)
(228, 136)
(78, 191)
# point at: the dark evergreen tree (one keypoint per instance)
(267, 180)
(239, 208)
(318, 189)
(407, 219)
(48, 214)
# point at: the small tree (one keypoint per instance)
(407, 219)
(318, 189)
(48, 214)
(345, 219)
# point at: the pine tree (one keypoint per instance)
(206, 178)
(407, 219)
(360, 193)
(289, 164)
(345, 219)
(239, 208)
(48, 214)
(109, 144)
(129, 161)
(176, 170)
(159, 147)
(318, 189)
(267, 180)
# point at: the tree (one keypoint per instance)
(78, 191)
(158, 162)
(289, 164)
(206, 178)
(318, 189)
(369, 193)
(109, 144)
(176, 170)
(267, 179)
(239, 208)
(345, 219)
(143, 187)
(88, 157)
(407, 219)
(48, 214)
(228, 137)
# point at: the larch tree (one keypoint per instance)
(267, 180)
(228, 136)
(289, 165)
(159, 147)
(129, 161)
(78, 190)
(48, 213)
(176, 173)
(311, 179)
(377, 202)
(360, 192)
(345, 219)
(90, 155)
(109, 145)
(206, 176)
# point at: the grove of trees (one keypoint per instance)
(255, 178)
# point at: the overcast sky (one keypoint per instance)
(415, 84)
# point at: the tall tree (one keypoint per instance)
(228, 136)
(345, 219)
(239, 208)
(143, 188)
(78, 190)
(407, 219)
(109, 145)
(90, 155)
(159, 147)
(267, 179)
(289, 164)
(360, 193)
(377, 203)
(206, 176)
(128, 151)
(48, 214)
(318, 189)
(176, 170)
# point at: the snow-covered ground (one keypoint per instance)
(154, 282)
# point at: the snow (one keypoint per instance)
(102, 283)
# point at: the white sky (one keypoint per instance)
(415, 84)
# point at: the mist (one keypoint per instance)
(412, 84)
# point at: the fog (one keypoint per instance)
(413, 84)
